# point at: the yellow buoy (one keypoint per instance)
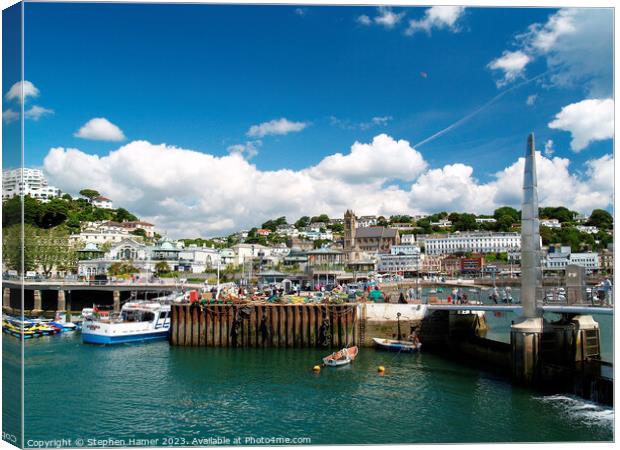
(381, 369)
(317, 368)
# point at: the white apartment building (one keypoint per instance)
(202, 258)
(407, 239)
(245, 252)
(588, 260)
(443, 223)
(473, 242)
(402, 258)
(550, 223)
(590, 229)
(99, 237)
(287, 230)
(559, 260)
(398, 263)
(366, 221)
(485, 220)
(405, 249)
(314, 235)
(27, 181)
(103, 202)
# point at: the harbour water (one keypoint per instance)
(192, 396)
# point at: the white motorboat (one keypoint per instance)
(137, 321)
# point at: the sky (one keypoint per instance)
(206, 119)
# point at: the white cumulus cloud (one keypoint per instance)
(276, 126)
(512, 64)
(100, 129)
(437, 17)
(15, 92)
(384, 158)
(248, 150)
(385, 17)
(36, 112)
(8, 115)
(364, 20)
(587, 121)
(577, 46)
(152, 181)
(557, 186)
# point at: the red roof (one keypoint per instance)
(104, 199)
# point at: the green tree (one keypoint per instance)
(320, 218)
(32, 210)
(504, 222)
(302, 222)
(273, 224)
(437, 216)
(507, 211)
(12, 247)
(122, 268)
(139, 232)
(601, 219)
(424, 226)
(454, 217)
(337, 228)
(382, 221)
(561, 213)
(401, 219)
(52, 249)
(570, 236)
(122, 215)
(162, 267)
(465, 222)
(11, 212)
(53, 213)
(90, 194)
(319, 243)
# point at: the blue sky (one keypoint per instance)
(199, 77)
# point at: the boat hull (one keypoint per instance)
(396, 346)
(90, 338)
(342, 359)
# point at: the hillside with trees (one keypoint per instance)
(47, 227)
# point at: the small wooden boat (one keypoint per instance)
(342, 357)
(397, 346)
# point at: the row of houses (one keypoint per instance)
(363, 248)
(107, 231)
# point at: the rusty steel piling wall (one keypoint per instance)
(264, 325)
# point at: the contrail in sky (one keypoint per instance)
(482, 108)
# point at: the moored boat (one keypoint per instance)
(395, 345)
(342, 357)
(137, 322)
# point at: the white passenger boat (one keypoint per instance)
(137, 321)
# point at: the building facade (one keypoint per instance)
(402, 259)
(25, 181)
(472, 243)
(103, 203)
(558, 258)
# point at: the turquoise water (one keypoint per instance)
(179, 395)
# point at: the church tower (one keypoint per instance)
(350, 224)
